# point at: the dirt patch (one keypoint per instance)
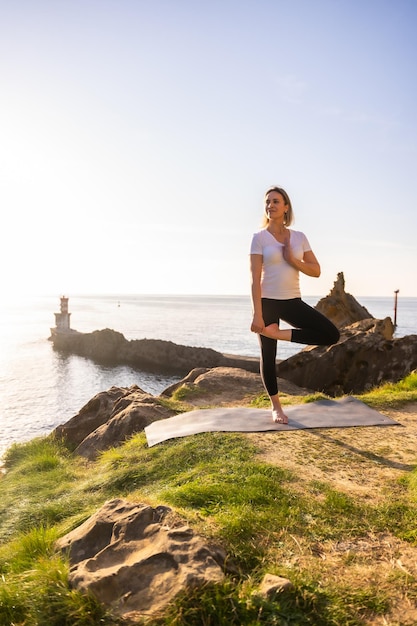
(361, 461)
(226, 386)
(381, 560)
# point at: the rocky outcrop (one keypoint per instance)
(112, 416)
(363, 358)
(135, 559)
(92, 415)
(224, 385)
(109, 419)
(341, 307)
(121, 425)
(154, 355)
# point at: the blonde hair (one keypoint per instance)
(289, 214)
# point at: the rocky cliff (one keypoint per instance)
(341, 307)
(365, 356)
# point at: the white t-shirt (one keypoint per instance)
(279, 280)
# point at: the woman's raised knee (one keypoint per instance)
(333, 336)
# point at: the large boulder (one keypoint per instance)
(96, 412)
(110, 418)
(135, 559)
(363, 358)
(124, 422)
(341, 307)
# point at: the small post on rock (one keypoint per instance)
(396, 292)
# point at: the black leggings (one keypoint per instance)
(310, 327)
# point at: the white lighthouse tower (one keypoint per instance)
(62, 319)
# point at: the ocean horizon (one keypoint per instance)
(41, 388)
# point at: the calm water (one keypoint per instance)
(40, 388)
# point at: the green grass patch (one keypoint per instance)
(305, 604)
(387, 395)
(175, 405)
(186, 391)
(392, 395)
(25, 549)
(40, 487)
(41, 596)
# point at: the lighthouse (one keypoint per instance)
(62, 319)
(62, 335)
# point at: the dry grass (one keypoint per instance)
(362, 461)
(365, 463)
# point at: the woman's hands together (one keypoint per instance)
(308, 265)
(287, 252)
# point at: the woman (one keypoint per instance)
(278, 255)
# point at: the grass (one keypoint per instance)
(186, 391)
(388, 395)
(393, 395)
(303, 605)
(268, 518)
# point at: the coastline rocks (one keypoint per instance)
(384, 327)
(155, 355)
(341, 307)
(109, 419)
(224, 385)
(123, 424)
(135, 559)
(92, 415)
(363, 358)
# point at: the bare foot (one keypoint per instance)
(271, 331)
(279, 417)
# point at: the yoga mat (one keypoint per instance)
(342, 413)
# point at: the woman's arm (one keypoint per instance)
(308, 265)
(258, 323)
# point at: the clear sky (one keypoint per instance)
(137, 139)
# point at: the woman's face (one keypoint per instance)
(275, 206)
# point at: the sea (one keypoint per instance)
(41, 388)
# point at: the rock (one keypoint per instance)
(92, 415)
(341, 307)
(111, 348)
(224, 385)
(384, 327)
(96, 412)
(110, 418)
(362, 359)
(272, 585)
(124, 422)
(190, 378)
(133, 560)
